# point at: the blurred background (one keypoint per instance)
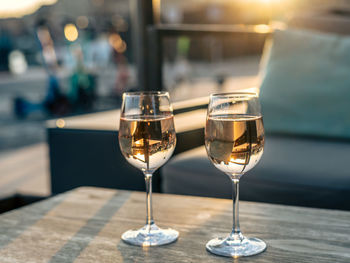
(61, 58)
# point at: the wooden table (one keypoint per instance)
(85, 225)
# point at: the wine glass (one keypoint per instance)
(147, 139)
(234, 140)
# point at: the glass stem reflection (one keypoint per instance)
(236, 234)
(149, 213)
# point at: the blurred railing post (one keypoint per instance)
(141, 14)
(157, 32)
(155, 51)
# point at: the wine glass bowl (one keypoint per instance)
(147, 140)
(234, 143)
(234, 140)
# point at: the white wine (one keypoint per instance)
(147, 142)
(234, 142)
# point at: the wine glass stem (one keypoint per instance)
(149, 213)
(236, 232)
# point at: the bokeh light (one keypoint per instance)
(60, 123)
(17, 62)
(82, 22)
(98, 2)
(120, 23)
(117, 43)
(71, 32)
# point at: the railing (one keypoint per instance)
(156, 34)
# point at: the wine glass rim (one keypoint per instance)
(148, 92)
(235, 95)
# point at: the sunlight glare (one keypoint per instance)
(19, 8)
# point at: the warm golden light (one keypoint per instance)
(262, 28)
(82, 22)
(117, 43)
(60, 123)
(156, 10)
(263, 1)
(115, 40)
(19, 8)
(139, 143)
(71, 32)
(140, 157)
(122, 48)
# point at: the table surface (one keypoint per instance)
(85, 225)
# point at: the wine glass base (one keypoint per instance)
(150, 235)
(227, 248)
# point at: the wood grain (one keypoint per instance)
(85, 225)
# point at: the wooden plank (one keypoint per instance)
(39, 242)
(86, 227)
(25, 171)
